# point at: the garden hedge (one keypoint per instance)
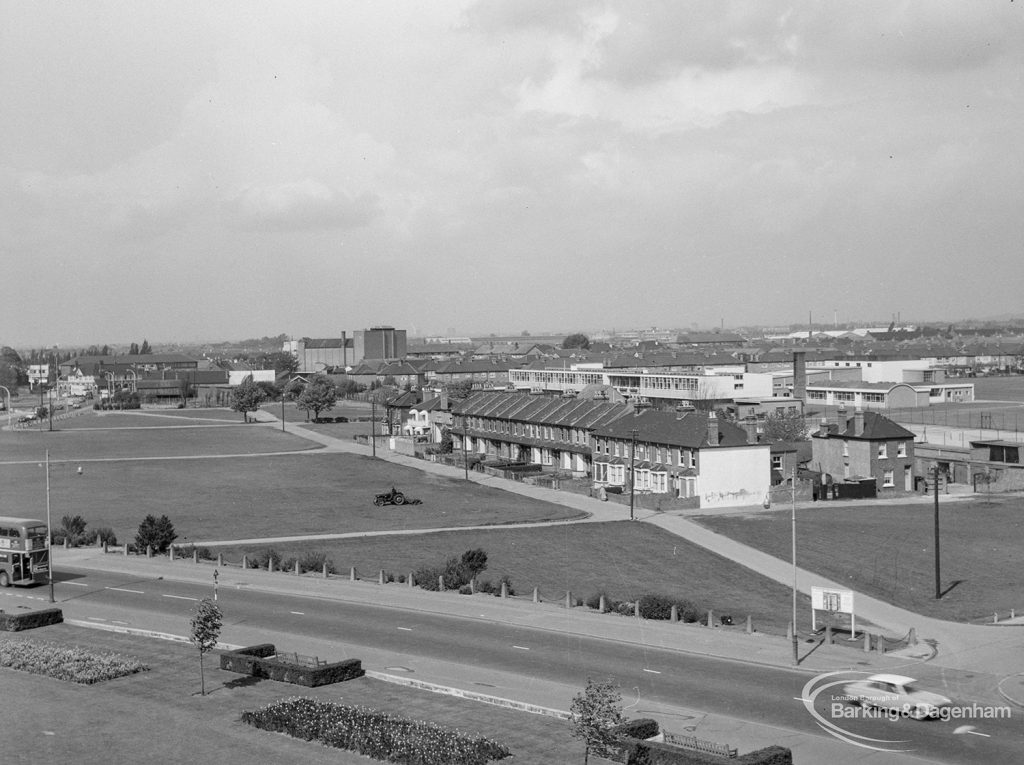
(257, 661)
(30, 620)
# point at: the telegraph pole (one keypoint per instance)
(938, 586)
(373, 424)
(49, 529)
(796, 649)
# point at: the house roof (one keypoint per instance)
(545, 410)
(660, 427)
(876, 428)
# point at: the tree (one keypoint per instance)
(576, 340)
(206, 624)
(270, 390)
(459, 389)
(145, 349)
(282, 361)
(157, 533)
(473, 563)
(246, 397)
(785, 426)
(319, 395)
(133, 349)
(593, 713)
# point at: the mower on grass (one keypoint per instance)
(394, 497)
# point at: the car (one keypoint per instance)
(896, 692)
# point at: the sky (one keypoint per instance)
(211, 171)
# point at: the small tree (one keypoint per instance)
(319, 395)
(473, 562)
(246, 397)
(593, 713)
(155, 532)
(206, 623)
(72, 527)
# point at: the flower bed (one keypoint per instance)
(75, 664)
(374, 734)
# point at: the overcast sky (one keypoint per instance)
(182, 171)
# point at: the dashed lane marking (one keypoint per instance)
(179, 597)
(122, 589)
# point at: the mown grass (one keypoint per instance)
(622, 559)
(888, 551)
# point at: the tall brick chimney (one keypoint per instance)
(800, 375)
(712, 428)
(858, 422)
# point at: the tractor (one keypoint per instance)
(394, 497)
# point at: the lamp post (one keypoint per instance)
(796, 651)
(938, 587)
(632, 470)
(373, 425)
(49, 530)
(465, 437)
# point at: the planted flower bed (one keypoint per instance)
(75, 664)
(374, 734)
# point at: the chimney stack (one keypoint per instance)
(712, 428)
(799, 375)
(858, 422)
(444, 399)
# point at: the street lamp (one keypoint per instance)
(632, 470)
(796, 650)
(938, 587)
(49, 529)
(373, 424)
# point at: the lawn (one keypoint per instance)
(622, 559)
(888, 551)
(102, 723)
(305, 490)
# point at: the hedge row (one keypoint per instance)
(30, 619)
(259, 661)
(374, 734)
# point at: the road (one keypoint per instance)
(397, 640)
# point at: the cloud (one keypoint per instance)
(304, 204)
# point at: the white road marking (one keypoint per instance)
(95, 619)
(298, 613)
(521, 647)
(76, 584)
(115, 621)
(405, 629)
(122, 589)
(653, 671)
(179, 597)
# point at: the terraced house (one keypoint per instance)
(554, 432)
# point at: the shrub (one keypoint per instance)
(263, 558)
(72, 529)
(426, 577)
(485, 586)
(594, 601)
(465, 590)
(374, 734)
(401, 578)
(688, 611)
(654, 606)
(106, 534)
(314, 561)
(507, 581)
(473, 563)
(156, 532)
(287, 564)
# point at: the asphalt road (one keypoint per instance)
(760, 694)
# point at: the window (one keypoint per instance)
(776, 462)
(659, 482)
(887, 478)
(901, 449)
(883, 451)
(601, 472)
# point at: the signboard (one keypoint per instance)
(834, 602)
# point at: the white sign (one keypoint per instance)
(839, 601)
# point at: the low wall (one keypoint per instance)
(259, 661)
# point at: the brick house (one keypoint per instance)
(866, 445)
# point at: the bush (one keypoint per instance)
(507, 581)
(426, 577)
(263, 558)
(156, 532)
(594, 601)
(315, 560)
(106, 534)
(287, 564)
(465, 590)
(654, 606)
(486, 586)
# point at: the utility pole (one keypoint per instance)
(373, 424)
(796, 649)
(632, 470)
(938, 586)
(49, 529)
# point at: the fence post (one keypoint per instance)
(220, 560)
(270, 563)
(602, 604)
(711, 618)
(352, 574)
(636, 609)
(440, 582)
(296, 567)
(472, 586)
(750, 626)
(149, 551)
(536, 595)
(325, 569)
(912, 637)
(380, 577)
(674, 613)
(126, 549)
(105, 546)
(504, 589)
(828, 634)
(412, 582)
(195, 555)
(867, 642)
(245, 561)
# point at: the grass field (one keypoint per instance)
(158, 715)
(210, 497)
(888, 551)
(623, 560)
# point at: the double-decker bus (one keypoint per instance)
(24, 553)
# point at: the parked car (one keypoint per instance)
(896, 692)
